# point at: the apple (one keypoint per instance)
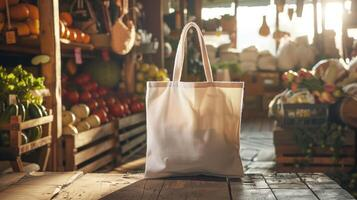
(102, 91)
(85, 96)
(92, 104)
(110, 101)
(103, 116)
(82, 79)
(105, 108)
(117, 109)
(95, 95)
(101, 102)
(72, 97)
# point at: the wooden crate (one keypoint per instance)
(132, 135)
(270, 81)
(289, 155)
(15, 150)
(90, 150)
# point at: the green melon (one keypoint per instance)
(105, 73)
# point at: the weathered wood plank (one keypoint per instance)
(131, 120)
(97, 163)
(94, 134)
(332, 194)
(93, 151)
(284, 181)
(96, 186)
(8, 179)
(194, 188)
(294, 194)
(38, 185)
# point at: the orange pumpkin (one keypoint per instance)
(80, 35)
(86, 39)
(11, 2)
(66, 17)
(19, 12)
(67, 34)
(34, 13)
(22, 29)
(34, 26)
(73, 35)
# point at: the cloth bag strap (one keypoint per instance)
(180, 54)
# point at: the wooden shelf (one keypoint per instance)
(30, 45)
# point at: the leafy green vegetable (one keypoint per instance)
(20, 82)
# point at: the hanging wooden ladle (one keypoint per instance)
(291, 13)
(264, 29)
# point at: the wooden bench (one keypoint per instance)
(76, 185)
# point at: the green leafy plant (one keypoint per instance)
(330, 137)
(19, 82)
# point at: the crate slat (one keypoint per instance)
(294, 150)
(315, 160)
(131, 120)
(133, 152)
(130, 145)
(98, 163)
(131, 133)
(94, 134)
(91, 152)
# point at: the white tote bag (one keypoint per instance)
(193, 127)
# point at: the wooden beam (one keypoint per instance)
(154, 23)
(50, 45)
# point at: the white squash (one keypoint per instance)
(68, 117)
(83, 126)
(69, 130)
(81, 111)
(93, 120)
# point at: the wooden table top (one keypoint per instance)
(76, 185)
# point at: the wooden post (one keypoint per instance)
(50, 45)
(314, 2)
(154, 23)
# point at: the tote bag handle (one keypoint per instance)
(180, 54)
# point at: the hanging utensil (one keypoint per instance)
(264, 29)
(299, 7)
(280, 5)
(291, 13)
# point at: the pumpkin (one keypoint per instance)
(22, 29)
(81, 111)
(11, 2)
(69, 130)
(19, 12)
(34, 26)
(34, 13)
(80, 35)
(93, 120)
(86, 38)
(83, 126)
(72, 35)
(66, 17)
(105, 73)
(68, 118)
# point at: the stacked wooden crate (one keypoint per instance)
(16, 149)
(132, 135)
(90, 150)
(291, 158)
(259, 88)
